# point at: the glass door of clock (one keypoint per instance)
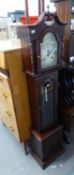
(47, 103)
(49, 51)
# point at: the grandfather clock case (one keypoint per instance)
(42, 51)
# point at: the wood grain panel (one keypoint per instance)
(14, 91)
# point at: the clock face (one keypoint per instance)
(49, 54)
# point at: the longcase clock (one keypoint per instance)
(42, 53)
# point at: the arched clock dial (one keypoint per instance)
(49, 50)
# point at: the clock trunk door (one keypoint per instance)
(48, 99)
(43, 94)
(47, 103)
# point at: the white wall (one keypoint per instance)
(33, 6)
(11, 5)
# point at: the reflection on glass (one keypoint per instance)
(49, 48)
(71, 59)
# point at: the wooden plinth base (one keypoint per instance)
(47, 146)
(49, 160)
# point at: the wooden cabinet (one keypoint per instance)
(7, 113)
(14, 105)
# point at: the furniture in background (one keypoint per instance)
(63, 10)
(66, 99)
(66, 88)
(66, 102)
(14, 103)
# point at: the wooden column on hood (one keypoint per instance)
(40, 6)
(26, 11)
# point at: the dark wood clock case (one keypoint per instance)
(43, 86)
(31, 36)
(44, 106)
(47, 146)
